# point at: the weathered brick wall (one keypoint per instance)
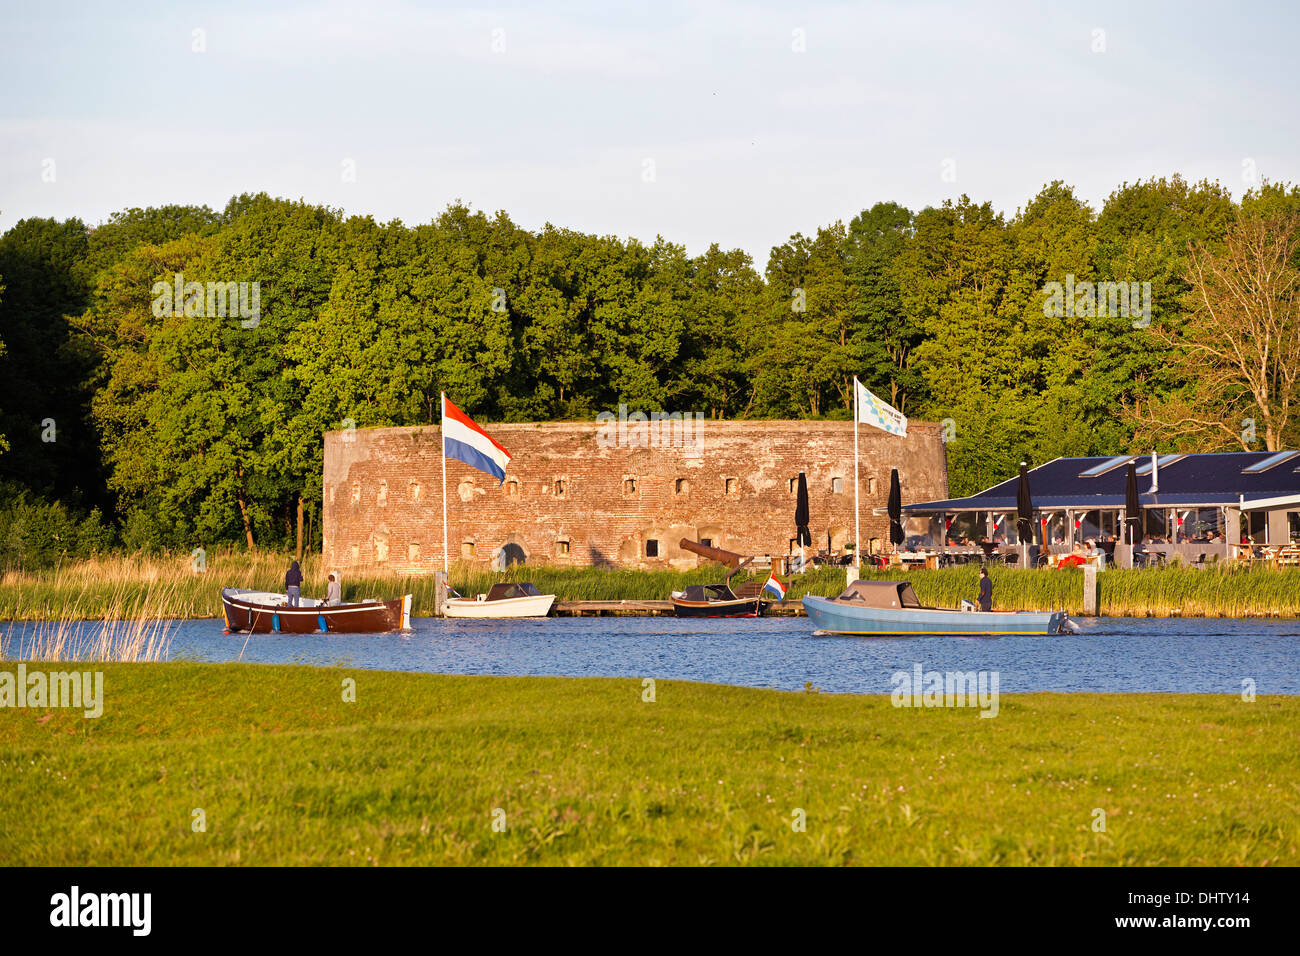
(571, 499)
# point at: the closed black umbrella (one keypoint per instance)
(1133, 506)
(896, 535)
(1024, 509)
(803, 536)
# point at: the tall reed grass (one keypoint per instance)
(1149, 592)
(133, 626)
(122, 587)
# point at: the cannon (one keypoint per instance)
(729, 558)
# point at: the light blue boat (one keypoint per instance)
(891, 607)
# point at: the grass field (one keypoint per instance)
(168, 587)
(285, 771)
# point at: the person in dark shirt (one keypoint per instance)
(293, 584)
(986, 590)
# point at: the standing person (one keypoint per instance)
(293, 584)
(986, 590)
(334, 593)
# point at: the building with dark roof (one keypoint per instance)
(1207, 499)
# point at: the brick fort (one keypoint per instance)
(606, 494)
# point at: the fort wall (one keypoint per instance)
(580, 493)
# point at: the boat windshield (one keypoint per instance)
(708, 592)
(500, 592)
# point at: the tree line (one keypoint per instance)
(166, 376)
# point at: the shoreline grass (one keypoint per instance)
(285, 772)
(167, 585)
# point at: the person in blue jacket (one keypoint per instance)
(293, 584)
(986, 590)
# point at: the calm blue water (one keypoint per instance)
(1109, 655)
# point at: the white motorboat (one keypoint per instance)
(514, 599)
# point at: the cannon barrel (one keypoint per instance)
(729, 558)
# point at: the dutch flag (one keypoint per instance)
(465, 441)
(774, 587)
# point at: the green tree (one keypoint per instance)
(803, 355)
(885, 335)
(43, 370)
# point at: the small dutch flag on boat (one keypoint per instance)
(775, 587)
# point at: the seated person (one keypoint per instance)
(1077, 557)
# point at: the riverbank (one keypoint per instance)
(205, 764)
(128, 587)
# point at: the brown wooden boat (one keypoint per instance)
(265, 612)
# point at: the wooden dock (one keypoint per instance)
(651, 609)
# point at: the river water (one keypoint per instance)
(1185, 655)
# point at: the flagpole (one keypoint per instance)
(857, 512)
(442, 427)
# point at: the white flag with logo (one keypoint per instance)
(872, 411)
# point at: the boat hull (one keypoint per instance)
(835, 618)
(534, 605)
(253, 612)
(751, 607)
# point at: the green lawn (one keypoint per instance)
(586, 772)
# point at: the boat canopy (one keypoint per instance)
(511, 589)
(883, 594)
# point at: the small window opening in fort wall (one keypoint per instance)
(652, 548)
(837, 485)
(629, 485)
(871, 486)
(562, 547)
(794, 485)
(561, 486)
(414, 490)
(512, 488)
(711, 536)
(682, 486)
(467, 550)
(731, 486)
(412, 552)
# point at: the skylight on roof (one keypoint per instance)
(1161, 462)
(1272, 461)
(1109, 464)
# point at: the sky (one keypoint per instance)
(701, 122)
